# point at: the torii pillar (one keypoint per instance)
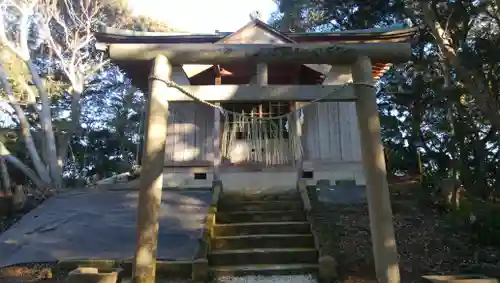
(377, 188)
(151, 179)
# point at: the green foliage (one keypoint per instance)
(420, 112)
(480, 219)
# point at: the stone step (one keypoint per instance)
(263, 256)
(263, 269)
(292, 195)
(254, 228)
(260, 216)
(227, 205)
(263, 241)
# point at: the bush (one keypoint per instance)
(481, 219)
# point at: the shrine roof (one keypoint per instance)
(255, 32)
(109, 35)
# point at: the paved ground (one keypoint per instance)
(101, 225)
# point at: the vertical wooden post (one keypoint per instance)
(379, 204)
(262, 74)
(262, 80)
(151, 179)
(217, 131)
(216, 142)
(296, 133)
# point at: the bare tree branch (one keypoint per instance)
(20, 49)
(25, 129)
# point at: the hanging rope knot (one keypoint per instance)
(168, 83)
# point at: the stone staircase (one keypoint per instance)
(261, 235)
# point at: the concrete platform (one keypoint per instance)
(102, 225)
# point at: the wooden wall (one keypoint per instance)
(330, 129)
(330, 132)
(189, 131)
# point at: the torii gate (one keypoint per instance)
(360, 56)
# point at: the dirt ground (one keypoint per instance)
(426, 242)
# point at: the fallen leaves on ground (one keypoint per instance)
(426, 243)
(27, 273)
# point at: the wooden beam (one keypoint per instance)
(235, 93)
(300, 53)
(377, 190)
(151, 179)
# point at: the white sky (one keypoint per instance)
(203, 16)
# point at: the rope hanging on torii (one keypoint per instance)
(263, 136)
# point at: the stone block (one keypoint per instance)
(216, 191)
(459, 278)
(92, 275)
(200, 271)
(327, 268)
(323, 184)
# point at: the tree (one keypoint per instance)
(442, 104)
(29, 29)
(460, 29)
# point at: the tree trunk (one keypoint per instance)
(73, 126)
(471, 79)
(452, 143)
(39, 139)
(461, 130)
(5, 155)
(416, 121)
(46, 122)
(25, 130)
(4, 175)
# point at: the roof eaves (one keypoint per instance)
(390, 31)
(113, 35)
(126, 32)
